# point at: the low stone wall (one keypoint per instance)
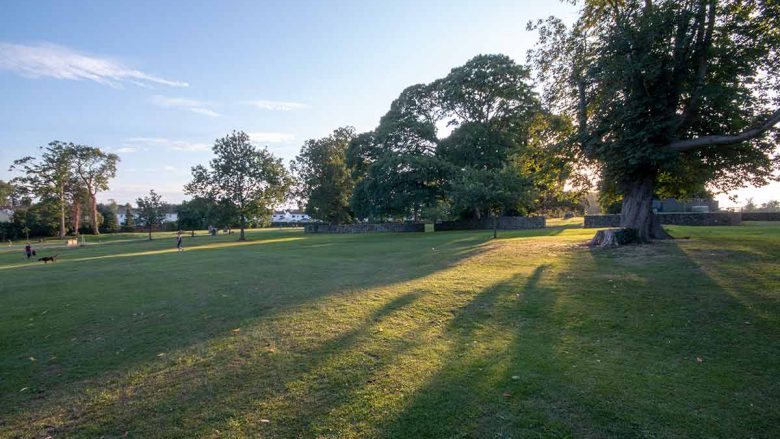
(701, 219)
(760, 216)
(504, 223)
(364, 228)
(599, 221)
(680, 219)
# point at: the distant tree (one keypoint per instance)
(197, 213)
(7, 193)
(248, 179)
(323, 178)
(395, 167)
(108, 212)
(771, 206)
(94, 168)
(129, 216)
(668, 96)
(48, 176)
(750, 205)
(150, 211)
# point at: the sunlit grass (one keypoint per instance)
(396, 335)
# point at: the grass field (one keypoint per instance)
(447, 334)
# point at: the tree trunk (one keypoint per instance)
(495, 226)
(637, 210)
(76, 217)
(63, 230)
(93, 213)
(243, 224)
(150, 232)
(192, 233)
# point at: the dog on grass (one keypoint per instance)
(47, 259)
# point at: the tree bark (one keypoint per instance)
(63, 230)
(242, 237)
(150, 231)
(637, 210)
(93, 213)
(76, 217)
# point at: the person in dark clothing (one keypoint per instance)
(28, 250)
(179, 242)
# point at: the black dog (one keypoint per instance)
(46, 259)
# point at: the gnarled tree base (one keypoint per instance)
(615, 237)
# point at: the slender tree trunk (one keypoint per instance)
(63, 230)
(150, 231)
(76, 217)
(243, 224)
(637, 210)
(93, 213)
(495, 226)
(192, 233)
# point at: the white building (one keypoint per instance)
(290, 216)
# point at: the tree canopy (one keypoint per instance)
(323, 178)
(247, 178)
(669, 97)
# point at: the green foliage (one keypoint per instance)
(150, 211)
(200, 213)
(108, 213)
(501, 135)
(7, 193)
(129, 216)
(92, 169)
(247, 181)
(639, 77)
(323, 179)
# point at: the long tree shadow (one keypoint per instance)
(103, 333)
(605, 345)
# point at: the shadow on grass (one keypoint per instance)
(594, 344)
(603, 346)
(114, 318)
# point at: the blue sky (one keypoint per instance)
(157, 82)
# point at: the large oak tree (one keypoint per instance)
(669, 96)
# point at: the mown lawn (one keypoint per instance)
(447, 334)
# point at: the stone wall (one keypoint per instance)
(680, 219)
(364, 228)
(504, 223)
(760, 216)
(599, 221)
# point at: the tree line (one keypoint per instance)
(660, 98)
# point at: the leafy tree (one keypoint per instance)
(150, 211)
(197, 213)
(248, 179)
(129, 216)
(395, 166)
(324, 180)
(93, 168)
(109, 212)
(48, 176)
(7, 193)
(669, 96)
(750, 205)
(771, 206)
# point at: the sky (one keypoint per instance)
(157, 82)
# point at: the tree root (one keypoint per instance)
(615, 237)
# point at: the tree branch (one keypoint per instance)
(701, 72)
(687, 145)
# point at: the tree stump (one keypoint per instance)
(615, 237)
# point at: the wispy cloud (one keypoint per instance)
(174, 144)
(271, 137)
(276, 105)
(193, 105)
(53, 61)
(126, 149)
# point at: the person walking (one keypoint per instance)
(28, 250)
(179, 240)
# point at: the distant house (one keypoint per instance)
(290, 216)
(121, 215)
(694, 205)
